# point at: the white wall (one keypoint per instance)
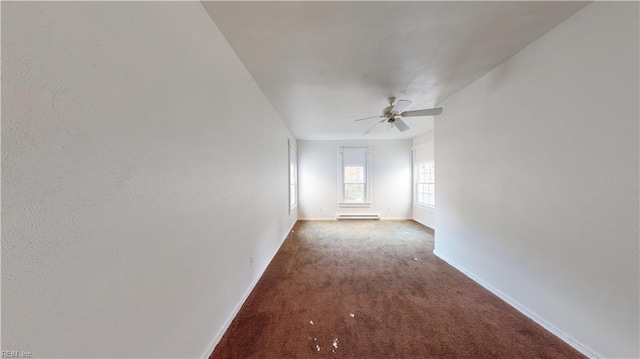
(423, 150)
(537, 175)
(142, 167)
(318, 181)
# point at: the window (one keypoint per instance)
(426, 184)
(354, 177)
(354, 184)
(293, 177)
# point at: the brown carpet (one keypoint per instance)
(374, 289)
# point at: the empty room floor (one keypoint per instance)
(374, 289)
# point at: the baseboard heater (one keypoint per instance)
(358, 216)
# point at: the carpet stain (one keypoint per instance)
(374, 289)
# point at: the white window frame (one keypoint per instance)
(367, 173)
(293, 175)
(416, 183)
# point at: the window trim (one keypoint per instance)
(367, 172)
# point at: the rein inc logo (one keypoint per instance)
(16, 354)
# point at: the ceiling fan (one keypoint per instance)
(395, 111)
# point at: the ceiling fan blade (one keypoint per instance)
(371, 128)
(426, 112)
(400, 106)
(368, 118)
(401, 125)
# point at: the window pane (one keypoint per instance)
(422, 173)
(425, 183)
(353, 192)
(353, 174)
(425, 193)
(426, 172)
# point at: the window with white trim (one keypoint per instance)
(354, 176)
(293, 177)
(425, 191)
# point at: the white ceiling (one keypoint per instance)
(324, 64)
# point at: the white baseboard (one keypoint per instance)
(522, 309)
(317, 218)
(334, 218)
(232, 316)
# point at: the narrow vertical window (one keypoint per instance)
(354, 176)
(426, 184)
(354, 182)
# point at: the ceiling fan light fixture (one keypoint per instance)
(395, 112)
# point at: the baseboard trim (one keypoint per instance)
(334, 218)
(236, 310)
(524, 310)
(317, 218)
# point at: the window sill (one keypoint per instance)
(354, 204)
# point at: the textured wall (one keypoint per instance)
(537, 179)
(141, 168)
